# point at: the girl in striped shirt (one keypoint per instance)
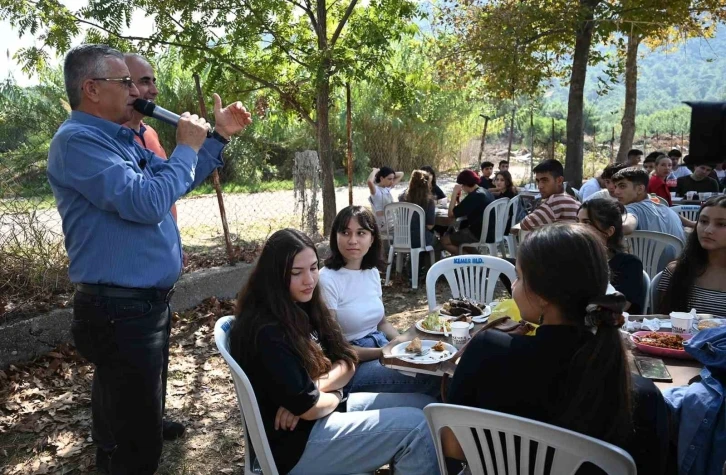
(698, 278)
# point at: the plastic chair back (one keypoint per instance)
(512, 210)
(488, 441)
(257, 449)
(499, 207)
(689, 212)
(400, 215)
(646, 294)
(649, 247)
(472, 276)
(654, 291)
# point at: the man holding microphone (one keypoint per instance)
(114, 198)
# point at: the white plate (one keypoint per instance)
(399, 351)
(420, 327)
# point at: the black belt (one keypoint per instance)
(153, 295)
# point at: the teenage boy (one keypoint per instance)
(679, 169)
(504, 166)
(486, 181)
(699, 180)
(556, 205)
(634, 157)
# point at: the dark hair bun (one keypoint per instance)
(606, 311)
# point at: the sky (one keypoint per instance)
(11, 43)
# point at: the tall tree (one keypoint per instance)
(519, 46)
(658, 25)
(300, 49)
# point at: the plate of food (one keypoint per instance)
(479, 313)
(667, 345)
(423, 351)
(706, 323)
(435, 324)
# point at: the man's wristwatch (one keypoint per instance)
(217, 136)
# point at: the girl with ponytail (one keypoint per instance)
(574, 372)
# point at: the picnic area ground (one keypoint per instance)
(45, 418)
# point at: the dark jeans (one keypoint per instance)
(128, 342)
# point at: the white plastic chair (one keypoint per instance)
(654, 291)
(510, 239)
(571, 449)
(689, 212)
(499, 206)
(258, 456)
(649, 247)
(471, 276)
(383, 230)
(646, 295)
(400, 214)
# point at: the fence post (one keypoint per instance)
(484, 138)
(645, 146)
(215, 181)
(511, 134)
(349, 130)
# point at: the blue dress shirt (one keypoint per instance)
(114, 198)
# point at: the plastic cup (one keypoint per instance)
(681, 322)
(673, 194)
(459, 333)
(691, 195)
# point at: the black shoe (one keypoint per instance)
(172, 430)
(103, 460)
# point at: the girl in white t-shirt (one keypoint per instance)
(380, 182)
(351, 286)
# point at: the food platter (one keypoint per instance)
(645, 341)
(420, 326)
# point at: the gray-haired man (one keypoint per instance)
(125, 255)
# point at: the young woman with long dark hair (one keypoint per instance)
(626, 271)
(503, 186)
(574, 372)
(698, 278)
(351, 285)
(297, 360)
(419, 193)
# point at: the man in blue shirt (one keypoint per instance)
(114, 198)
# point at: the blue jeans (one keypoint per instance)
(377, 429)
(373, 377)
(127, 340)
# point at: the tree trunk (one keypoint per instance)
(576, 100)
(322, 105)
(631, 97)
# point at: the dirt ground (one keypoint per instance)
(45, 420)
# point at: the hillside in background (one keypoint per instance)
(691, 71)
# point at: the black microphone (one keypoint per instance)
(150, 109)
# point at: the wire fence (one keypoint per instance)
(34, 264)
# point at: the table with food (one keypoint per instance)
(431, 347)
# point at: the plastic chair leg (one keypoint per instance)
(399, 262)
(390, 264)
(415, 255)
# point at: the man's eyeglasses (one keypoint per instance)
(126, 81)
